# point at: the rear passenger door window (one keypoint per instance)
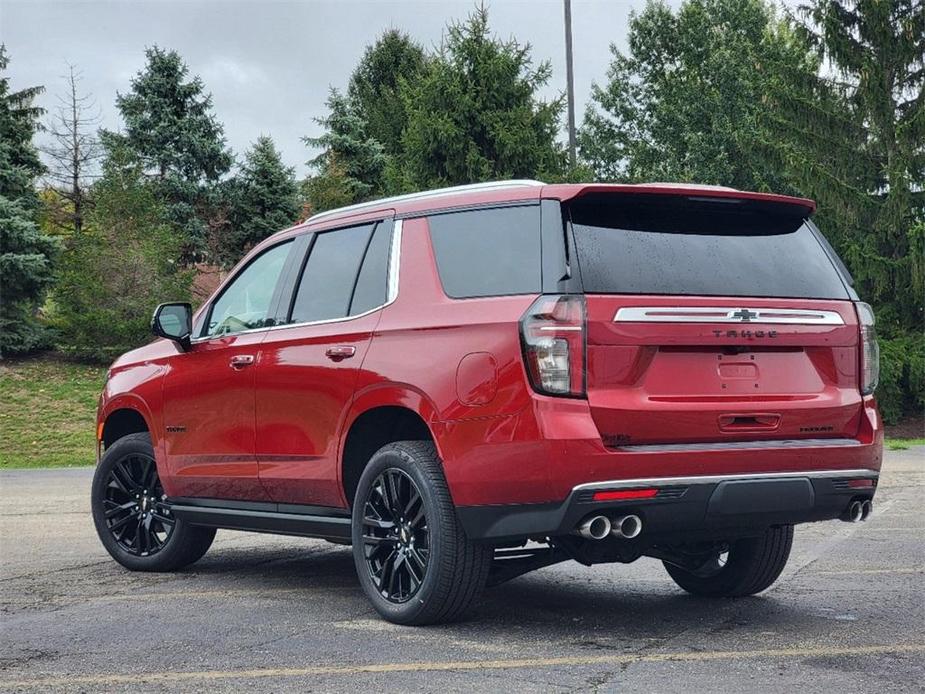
(346, 274)
(373, 282)
(493, 252)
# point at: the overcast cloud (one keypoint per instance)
(269, 65)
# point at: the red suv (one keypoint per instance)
(472, 383)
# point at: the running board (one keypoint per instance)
(282, 519)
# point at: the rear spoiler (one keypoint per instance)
(802, 207)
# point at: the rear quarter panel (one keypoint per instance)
(457, 362)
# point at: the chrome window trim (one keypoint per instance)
(725, 314)
(391, 295)
(394, 263)
(714, 479)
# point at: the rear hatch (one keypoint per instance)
(713, 319)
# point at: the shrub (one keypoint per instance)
(113, 275)
(902, 376)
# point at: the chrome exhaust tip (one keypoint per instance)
(867, 507)
(626, 527)
(855, 512)
(594, 528)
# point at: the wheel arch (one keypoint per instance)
(123, 415)
(378, 417)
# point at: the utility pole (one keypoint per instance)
(570, 82)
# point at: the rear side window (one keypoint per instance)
(492, 252)
(330, 274)
(664, 245)
(372, 284)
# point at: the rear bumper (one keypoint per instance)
(720, 506)
(539, 455)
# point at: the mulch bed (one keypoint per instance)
(907, 428)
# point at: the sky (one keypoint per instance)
(269, 65)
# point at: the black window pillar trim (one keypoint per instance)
(561, 272)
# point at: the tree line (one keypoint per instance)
(825, 102)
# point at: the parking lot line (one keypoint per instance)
(104, 679)
(849, 572)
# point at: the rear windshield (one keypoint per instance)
(675, 245)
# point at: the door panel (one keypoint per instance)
(308, 371)
(209, 417)
(209, 411)
(302, 395)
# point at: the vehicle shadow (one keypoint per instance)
(590, 608)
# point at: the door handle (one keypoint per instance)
(239, 361)
(340, 352)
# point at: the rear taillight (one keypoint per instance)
(553, 336)
(870, 350)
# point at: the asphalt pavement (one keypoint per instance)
(265, 613)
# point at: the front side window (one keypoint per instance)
(245, 303)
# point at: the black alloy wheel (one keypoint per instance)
(135, 506)
(745, 566)
(132, 514)
(412, 556)
(395, 536)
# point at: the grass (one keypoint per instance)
(903, 444)
(48, 412)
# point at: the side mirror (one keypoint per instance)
(174, 321)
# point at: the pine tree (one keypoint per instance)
(687, 101)
(25, 253)
(475, 114)
(875, 53)
(375, 87)
(170, 127)
(265, 198)
(360, 159)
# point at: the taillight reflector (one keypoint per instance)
(860, 484)
(553, 335)
(870, 350)
(619, 495)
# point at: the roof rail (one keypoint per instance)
(454, 190)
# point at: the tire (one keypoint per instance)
(451, 570)
(753, 564)
(130, 514)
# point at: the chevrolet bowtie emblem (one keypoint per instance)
(744, 315)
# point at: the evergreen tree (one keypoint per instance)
(328, 190)
(475, 115)
(875, 53)
(375, 87)
(265, 198)
(170, 127)
(25, 253)
(359, 159)
(687, 101)
(361, 143)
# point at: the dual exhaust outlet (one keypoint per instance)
(858, 511)
(598, 527)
